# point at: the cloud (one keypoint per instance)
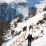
(43, 1)
(23, 11)
(20, 0)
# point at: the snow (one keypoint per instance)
(40, 6)
(23, 11)
(41, 41)
(12, 40)
(20, 40)
(35, 19)
(17, 29)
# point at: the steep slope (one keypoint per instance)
(41, 6)
(23, 28)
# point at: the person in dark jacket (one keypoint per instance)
(30, 38)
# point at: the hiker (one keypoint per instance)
(29, 37)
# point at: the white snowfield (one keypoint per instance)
(20, 40)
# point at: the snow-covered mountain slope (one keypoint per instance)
(41, 6)
(19, 32)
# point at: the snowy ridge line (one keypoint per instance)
(32, 21)
(35, 19)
